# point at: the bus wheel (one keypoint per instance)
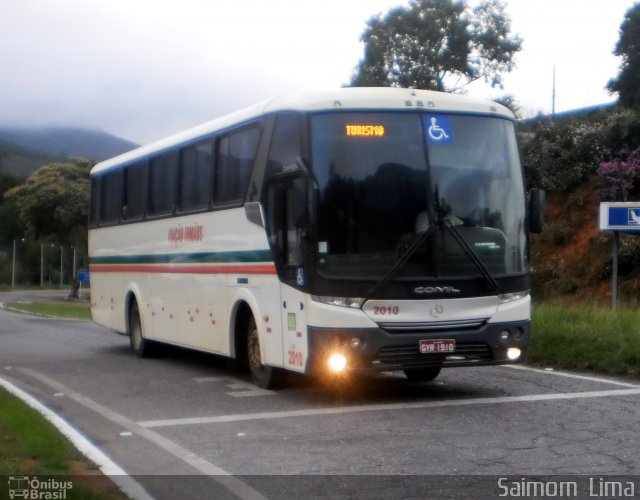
(265, 377)
(423, 374)
(139, 345)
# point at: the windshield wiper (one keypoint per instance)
(402, 260)
(443, 222)
(491, 282)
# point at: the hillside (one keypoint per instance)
(24, 149)
(20, 162)
(571, 259)
(67, 142)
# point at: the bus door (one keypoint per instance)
(288, 223)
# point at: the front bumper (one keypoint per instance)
(379, 349)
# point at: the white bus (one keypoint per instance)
(359, 229)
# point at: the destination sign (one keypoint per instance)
(365, 130)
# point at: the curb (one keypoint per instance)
(124, 482)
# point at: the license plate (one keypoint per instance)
(437, 346)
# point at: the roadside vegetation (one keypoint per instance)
(31, 446)
(69, 310)
(592, 338)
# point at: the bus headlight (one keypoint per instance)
(351, 302)
(514, 353)
(505, 298)
(337, 362)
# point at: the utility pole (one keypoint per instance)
(41, 265)
(13, 267)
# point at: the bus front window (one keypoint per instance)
(377, 192)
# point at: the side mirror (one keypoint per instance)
(537, 199)
(532, 177)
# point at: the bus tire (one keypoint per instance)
(139, 345)
(423, 374)
(265, 377)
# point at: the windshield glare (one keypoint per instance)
(384, 178)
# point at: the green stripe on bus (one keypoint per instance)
(187, 258)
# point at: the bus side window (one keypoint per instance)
(283, 202)
(285, 149)
(111, 197)
(94, 206)
(135, 188)
(296, 203)
(162, 183)
(234, 163)
(196, 176)
(286, 143)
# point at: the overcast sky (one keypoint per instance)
(142, 69)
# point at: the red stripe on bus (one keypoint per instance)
(183, 269)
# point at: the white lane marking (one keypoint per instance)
(387, 407)
(222, 477)
(572, 375)
(107, 466)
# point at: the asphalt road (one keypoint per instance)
(186, 425)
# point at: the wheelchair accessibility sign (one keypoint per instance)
(620, 216)
(438, 129)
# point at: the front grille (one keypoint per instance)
(409, 356)
(433, 326)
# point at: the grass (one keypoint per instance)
(29, 443)
(70, 310)
(586, 338)
(31, 446)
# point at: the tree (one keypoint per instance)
(54, 200)
(53, 203)
(437, 45)
(619, 177)
(627, 84)
(10, 227)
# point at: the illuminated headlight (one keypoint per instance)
(337, 362)
(351, 302)
(513, 296)
(514, 353)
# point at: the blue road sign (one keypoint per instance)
(620, 216)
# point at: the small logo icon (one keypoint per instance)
(439, 130)
(38, 488)
(436, 311)
(18, 487)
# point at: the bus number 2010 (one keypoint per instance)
(295, 358)
(386, 310)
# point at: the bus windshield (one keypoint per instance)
(386, 178)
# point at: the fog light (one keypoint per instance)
(514, 353)
(337, 362)
(504, 335)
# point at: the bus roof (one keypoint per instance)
(350, 98)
